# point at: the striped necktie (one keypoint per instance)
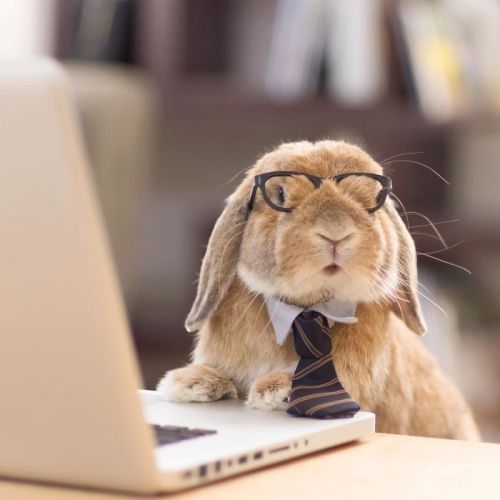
(316, 389)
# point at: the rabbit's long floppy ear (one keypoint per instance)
(407, 309)
(218, 268)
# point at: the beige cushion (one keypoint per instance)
(117, 106)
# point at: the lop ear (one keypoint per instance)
(218, 268)
(407, 309)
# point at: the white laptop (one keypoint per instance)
(70, 408)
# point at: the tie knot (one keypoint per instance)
(311, 335)
(307, 315)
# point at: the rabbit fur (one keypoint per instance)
(380, 360)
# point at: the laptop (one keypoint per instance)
(71, 410)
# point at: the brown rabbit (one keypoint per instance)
(328, 246)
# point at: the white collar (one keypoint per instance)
(282, 314)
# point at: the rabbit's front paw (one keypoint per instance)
(270, 392)
(195, 383)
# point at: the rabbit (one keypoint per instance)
(253, 255)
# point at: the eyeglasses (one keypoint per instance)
(284, 190)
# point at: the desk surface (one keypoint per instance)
(382, 466)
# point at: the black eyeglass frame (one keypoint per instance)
(261, 179)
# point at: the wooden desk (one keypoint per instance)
(382, 466)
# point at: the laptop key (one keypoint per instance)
(202, 432)
(168, 430)
(169, 434)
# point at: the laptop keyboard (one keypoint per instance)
(169, 434)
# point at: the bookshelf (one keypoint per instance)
(216, 116)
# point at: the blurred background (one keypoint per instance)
(178, 97)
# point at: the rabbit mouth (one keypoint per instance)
(331, 269)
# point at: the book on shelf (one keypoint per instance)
(452, 51)
(433, 60)
(355, 52)
(282, 48)
(296, 50)
(101, 30)
(250, 38)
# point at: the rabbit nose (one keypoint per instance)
(335, 242)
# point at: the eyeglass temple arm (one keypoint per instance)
(251, 199)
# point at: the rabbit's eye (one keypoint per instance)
(281, 195)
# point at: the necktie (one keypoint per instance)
(316, 390)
